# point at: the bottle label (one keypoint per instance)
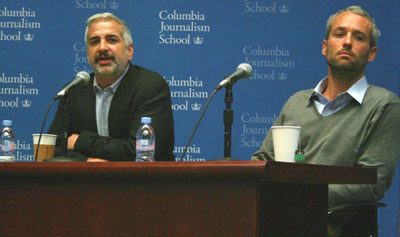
(144, 142)
(7, 146)
(144, 145)
(7, 151)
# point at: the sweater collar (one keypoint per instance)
(356, 91)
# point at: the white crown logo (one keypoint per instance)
(196, 106)
(29, 37)
(282, 76)
(284, 9)
(26, 103)
(198, 40)
(114, 5)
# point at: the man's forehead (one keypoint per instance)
(107, 27)
(352, 20)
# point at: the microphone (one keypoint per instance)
(81, 78)
(243, 71)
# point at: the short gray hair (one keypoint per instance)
(126, 33)
(374, 34)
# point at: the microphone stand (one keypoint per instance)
(83, 77)
(228, 121)
(65, 124)
(228, 114)
(64, 139)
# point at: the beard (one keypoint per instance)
(344, 67)
(115, 68)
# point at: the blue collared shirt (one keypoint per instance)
(103, 102)
(327, 107)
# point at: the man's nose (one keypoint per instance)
(348, 41)
(103, 46)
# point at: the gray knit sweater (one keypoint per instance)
(361, 135)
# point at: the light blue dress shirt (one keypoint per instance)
(103, 102)
(327, 107)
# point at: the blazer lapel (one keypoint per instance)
(120, 102)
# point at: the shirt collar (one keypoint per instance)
(113, 86)
(357, 91)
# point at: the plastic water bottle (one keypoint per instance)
(145, 141)
(7, 142)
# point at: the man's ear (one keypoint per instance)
(372, 53)
(324, 47)
(130, 49)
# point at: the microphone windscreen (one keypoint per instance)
(247, 68)
(84, 75)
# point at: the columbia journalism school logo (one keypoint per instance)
(29, 37)
(196, 107)
(97, 4)
(16, 37)
(182, 27)
(114, 5)
(193, 153)
(282, 76)
(269, 62)
(15, 86)
(198, 40)
(187, 93)
(15, 102)
(15, 21)
(23, 151)
(264, 7)
(255, 128)
(26, 103)
(284, 9)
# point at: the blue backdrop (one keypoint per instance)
(194, 45)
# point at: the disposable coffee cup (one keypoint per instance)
(46, 147)
(286, 142)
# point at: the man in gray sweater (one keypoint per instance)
(345, 120)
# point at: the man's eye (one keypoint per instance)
(93, 42)
(359, 38)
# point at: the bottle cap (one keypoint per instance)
(146, 120)
(299, 155)
(7, 123)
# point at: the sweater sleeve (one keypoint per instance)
(380, 150)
